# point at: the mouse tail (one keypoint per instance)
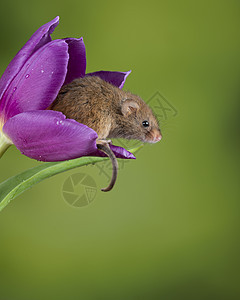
(104, 147)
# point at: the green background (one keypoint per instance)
(170, 227)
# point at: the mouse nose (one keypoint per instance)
(156, 136)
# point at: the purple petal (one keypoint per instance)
(121, 152)
(77, 59)
(49, 136)
(39, 38)
(115, 78)
(38, 82)
(118, 151)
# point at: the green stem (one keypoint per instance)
(17, 184)
(14, 186)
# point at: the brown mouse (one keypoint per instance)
(110, 111)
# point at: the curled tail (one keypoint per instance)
(104, 147)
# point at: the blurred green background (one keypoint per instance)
(170, 228)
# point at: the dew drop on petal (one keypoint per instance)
(14, 89)
(27, 76)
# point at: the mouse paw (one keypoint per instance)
(104, 142)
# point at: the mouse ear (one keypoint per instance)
(129, 106)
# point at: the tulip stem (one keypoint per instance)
(4, 143)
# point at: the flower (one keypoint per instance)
(31, 83)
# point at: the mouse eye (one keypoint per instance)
(145, 123)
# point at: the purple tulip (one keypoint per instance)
(31, 83)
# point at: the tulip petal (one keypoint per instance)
(118, 151)
(38, 39)
(77, 59)
(115, 78)
(121, 152)
(38, 82)
(47, 135)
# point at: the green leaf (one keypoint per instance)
(14, 186)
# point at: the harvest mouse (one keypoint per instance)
(110, 111)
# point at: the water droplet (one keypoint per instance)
(57, 122)
(61, 122)
(27, 76)
(52, 72)
(42, 71)
(14, 89)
